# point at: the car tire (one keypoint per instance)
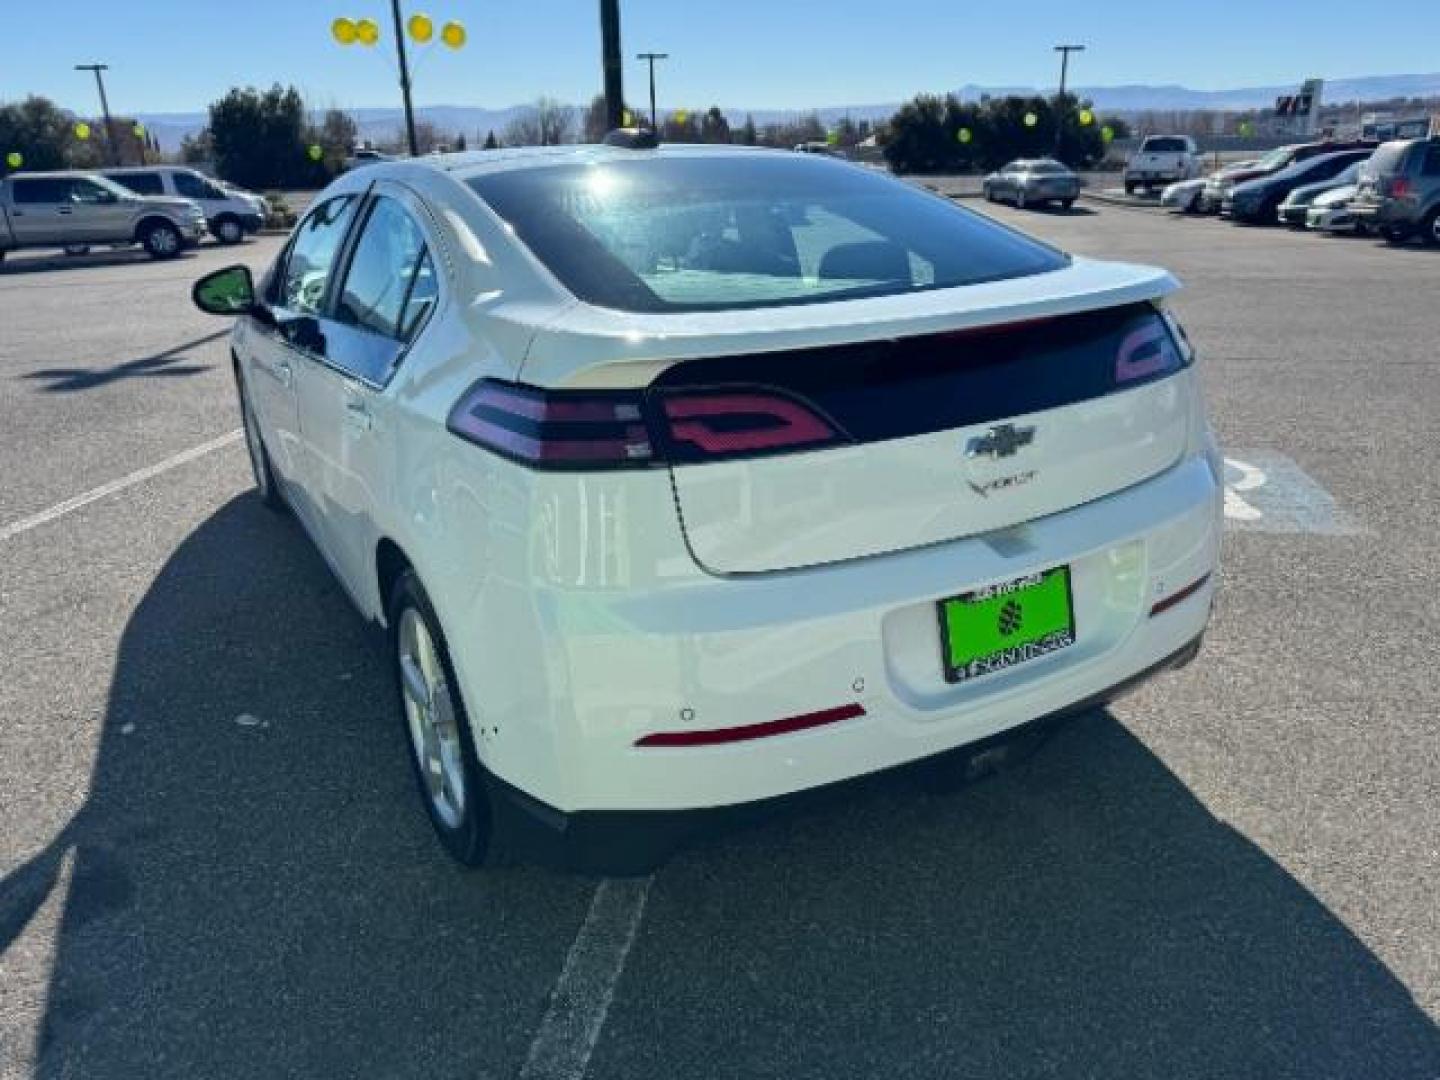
(1020, 201)
(228, 230)
(162, 240)
(448, 774)
(1430, 228)
(1067, 203)
(76, 250)
(260, 469)
(1130, 187)
(1395, 234)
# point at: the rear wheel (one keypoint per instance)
(1430, 230)
(162, 240)
(228, 229)
(442, 751)
(1067, 203)
(1395, 234)
(1129, 187)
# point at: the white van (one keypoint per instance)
(229, 215)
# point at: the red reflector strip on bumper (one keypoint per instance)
(1175, 598)
(763, 730)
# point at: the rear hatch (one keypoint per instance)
(1377, 174)
(937, 437)
(1039, 396)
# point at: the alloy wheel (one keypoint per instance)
(431, 718)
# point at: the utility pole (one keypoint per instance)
(610, 60)
(104, 109)
(1064, 51)
(404, 79)
(652, 57)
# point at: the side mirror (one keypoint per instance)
(230, 291)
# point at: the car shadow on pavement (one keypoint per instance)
(166, 364)
(1082, 914)
(41, 264)
(251, 888)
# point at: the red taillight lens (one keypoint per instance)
(707, 425)
(564, 429)
(588, 429)
(1400, 187)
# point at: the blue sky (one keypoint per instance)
(178, 55)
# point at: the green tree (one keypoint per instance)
(491, 143)
(680, 127)
(460, 143)
(259, 138)
(714, 128)
(748, 135)
(38, 130)
(336, 136)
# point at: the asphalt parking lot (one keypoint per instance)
(212, 862)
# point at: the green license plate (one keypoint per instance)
(999, 626)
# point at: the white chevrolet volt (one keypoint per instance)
(688, 478)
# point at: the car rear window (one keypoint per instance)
(1163, 146)
(710, 233)
(1388, 158)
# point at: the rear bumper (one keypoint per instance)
(632, 842)
(586, 673)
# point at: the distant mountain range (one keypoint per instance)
(384, 123)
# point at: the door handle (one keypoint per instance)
(357, 415)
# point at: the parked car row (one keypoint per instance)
(162, 208)
(1392, 189)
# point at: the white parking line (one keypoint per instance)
(138, 477)
(581, 998)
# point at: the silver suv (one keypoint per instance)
(1398, 193)
(73, 210)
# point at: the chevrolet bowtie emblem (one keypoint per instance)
(1003, 440)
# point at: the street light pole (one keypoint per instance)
(1064, 51)
(104, 109)
(652, 57)
(610, 60)
(404, 79)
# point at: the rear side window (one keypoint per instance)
(1388, 158)
(42, 190)
(708, 233)
(390, 286)
(306, 275)
(195, 187)
(142, 183)
(1163, 146)
(1431, 165)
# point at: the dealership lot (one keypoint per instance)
(213, 863)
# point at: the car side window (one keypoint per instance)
(141, 183)
(390, 286)
(191, 186)
(87, 191)
(306, 274)
(41, 190)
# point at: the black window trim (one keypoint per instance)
(344, 256)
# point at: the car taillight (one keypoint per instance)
(594, 429)
(564, 429)
(1399, 187)
(708, 425)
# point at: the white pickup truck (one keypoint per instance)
(73, 210)
(1161, 160)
